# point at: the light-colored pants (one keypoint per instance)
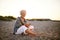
(20, 30)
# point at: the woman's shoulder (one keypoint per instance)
(18, 17)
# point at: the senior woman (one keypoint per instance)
(22, 26)
(20, 21)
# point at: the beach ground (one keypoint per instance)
(51, 30)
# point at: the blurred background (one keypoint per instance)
(44, 15)
(49, 9)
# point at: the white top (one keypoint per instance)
(23, 28)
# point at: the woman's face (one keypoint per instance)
(23, 13)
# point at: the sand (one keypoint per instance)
(51, 30)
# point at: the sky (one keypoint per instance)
(35, 8)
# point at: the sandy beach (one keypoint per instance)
(50, 28)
